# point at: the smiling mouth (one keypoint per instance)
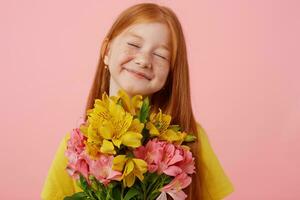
(141, 76)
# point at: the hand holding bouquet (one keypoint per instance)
(125, 152)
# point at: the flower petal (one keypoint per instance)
(129, 180)
(119, 162)
(177, 195)
(172, 170)
(132, 139)
(136, 126)
(117, 142)
(106, 131)
(128, 168)
(107, 147)
(140, 167)
(152, 129)
(162, 196)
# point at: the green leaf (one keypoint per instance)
(190, 138)
(131, 193)
(112, 184)
(116, 192)
(175, 127)
(83, 182)
(86, 188)
(154, 195)
(77, 196)
(153, 181)
(144, 111)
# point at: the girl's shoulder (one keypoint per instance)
(215, 182)
(58, 183)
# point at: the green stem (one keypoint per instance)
(152, 183)
(157, 187)
(122, 192)
(108, 197)
(144, 191)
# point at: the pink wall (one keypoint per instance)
(244, 64)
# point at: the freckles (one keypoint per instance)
(129, 52)
(125, 56)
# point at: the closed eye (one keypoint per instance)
(136, 46)
(133, 45)
(160, 56)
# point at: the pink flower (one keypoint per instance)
(152, 153)
(162, 157)
(75, 144)
(172, 160)
(75, 153)
(174, 188)
(102, 169)
(171, 155)
(80, 166)
(81, 163)
(187, 164)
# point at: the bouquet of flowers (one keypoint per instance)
(125, 152)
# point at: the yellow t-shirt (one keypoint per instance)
(215, 183)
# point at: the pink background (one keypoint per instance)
(244, 65)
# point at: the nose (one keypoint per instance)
(143, 60)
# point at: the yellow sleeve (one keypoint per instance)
(58, 183)
(215, 183)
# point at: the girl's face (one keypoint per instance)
(139, 59)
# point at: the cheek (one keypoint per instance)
(162, 73)
(123, 56)
(129, 51)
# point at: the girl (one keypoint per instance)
(144, 53)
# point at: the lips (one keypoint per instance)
(139, 73)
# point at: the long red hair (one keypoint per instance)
(175, 98)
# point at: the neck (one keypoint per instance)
(114, 88)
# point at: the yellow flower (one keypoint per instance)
(94, 140)
(158, 123)
(131, 105)
(120, 129)
(100, 111)
(107, 147)
(96, 116)
(159, 126)
(175, 137)
(131, 168)
(109, 125)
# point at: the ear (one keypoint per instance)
(105, 51)
(105, 60)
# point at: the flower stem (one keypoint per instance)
(122, 192)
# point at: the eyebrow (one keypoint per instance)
(140, 37)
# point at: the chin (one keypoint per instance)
(132, 91)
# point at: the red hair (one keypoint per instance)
(175, 98)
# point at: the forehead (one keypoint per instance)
(157, 33)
